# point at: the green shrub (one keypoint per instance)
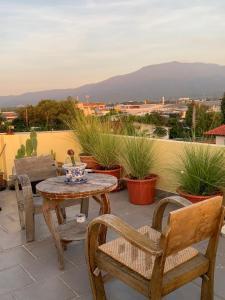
(85, 130)
(137, 157)
(105, 148)
(201, 170)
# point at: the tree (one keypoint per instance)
(47, 114)
(223, 108)
(178, 129)
(160, 131)
(204, 120)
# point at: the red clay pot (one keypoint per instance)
(142, 192)
(89, 160)
(195, 198)
(114, 172)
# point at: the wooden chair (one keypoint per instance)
(32, 170)
(153, 261)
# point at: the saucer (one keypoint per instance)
(84, 180)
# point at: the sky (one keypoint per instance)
(52, 44)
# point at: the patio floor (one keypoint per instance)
(30, 271)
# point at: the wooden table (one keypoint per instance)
(55, 190)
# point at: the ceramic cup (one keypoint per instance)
(75, 173)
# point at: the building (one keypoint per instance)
(9, 115)
(138, 109)
(92, 108)
(219, 133)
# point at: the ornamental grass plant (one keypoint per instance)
(85, 129)
(105, 149)
(201, 170)
(137, 157)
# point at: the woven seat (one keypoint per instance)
(157, 260)
(141, 262)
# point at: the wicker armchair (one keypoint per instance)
(153, 261)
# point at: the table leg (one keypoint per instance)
(46, 208)
(105, 204)
(84, 206)
(59, 214)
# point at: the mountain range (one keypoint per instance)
(172, 80)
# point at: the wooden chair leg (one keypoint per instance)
(207, 289)
(20, 205)
(21, 218)
(95, 275)
(29, 225)
(97, 286)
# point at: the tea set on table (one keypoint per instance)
(75, 171)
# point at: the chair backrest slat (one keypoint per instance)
(36, 167)
(192, 224)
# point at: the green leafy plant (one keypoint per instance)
(160, 131)
(30, 147)
(70, 153)
(21, 152)
(137, 157)
(200, 170)
(53, 154)
(34, 142)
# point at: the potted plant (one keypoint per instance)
(137, 158)
(75, 172)
(105, 151)
(84, 129)
(200, 172)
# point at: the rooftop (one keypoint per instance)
(217, 131)
(30, 271)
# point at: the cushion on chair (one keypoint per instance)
(139, 261)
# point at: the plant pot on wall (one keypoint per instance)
(89, 160)
(137, 158)
(196, 198)
(200, 172)
(117, 172)
(142, 192)
(3, 183)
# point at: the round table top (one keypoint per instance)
(56, 188)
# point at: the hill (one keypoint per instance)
(172, 80)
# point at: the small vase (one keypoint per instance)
(117, 171)
(75, 173)
(89, 160)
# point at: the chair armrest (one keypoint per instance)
(161, 206)
(23, 180)
(123, 229)
(26, 191)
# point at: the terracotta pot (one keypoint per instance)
(196, 198)
(89, 160)
(114, 172)
(3, 182)
(142, 192)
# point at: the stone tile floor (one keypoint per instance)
(30, 271)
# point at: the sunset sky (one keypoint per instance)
(52, 44)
